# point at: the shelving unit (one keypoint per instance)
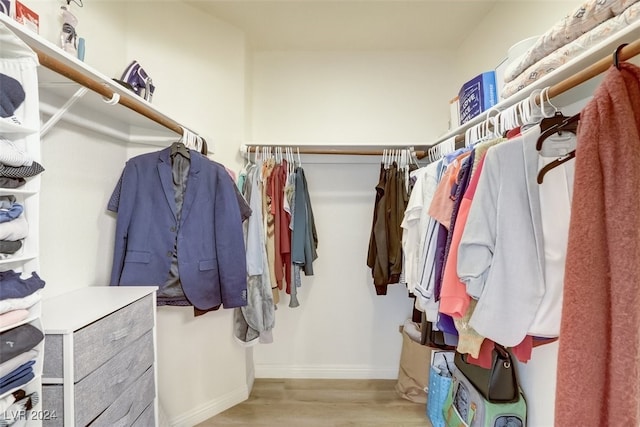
(19, 62)
(60, 78)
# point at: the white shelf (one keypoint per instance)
(56, 89)
(32, 316)
(17, 191)
(9, 128)
(582, 61)
(19, 258)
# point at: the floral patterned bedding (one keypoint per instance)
(569, 51)
(586, 17)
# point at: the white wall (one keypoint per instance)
(350, 96)
(342, 328)
(200, 81)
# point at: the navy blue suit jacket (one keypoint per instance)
(210, 243)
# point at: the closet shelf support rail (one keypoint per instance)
(55, 118)
(102, 89)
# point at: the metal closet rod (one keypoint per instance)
(336, 151)
(96, 86)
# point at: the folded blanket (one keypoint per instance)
(582, 20)
(572, 50)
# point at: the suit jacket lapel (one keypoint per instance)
(166, 179)
(530, 155)
(192, 185)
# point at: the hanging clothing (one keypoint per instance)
(413, 225)
(210, 246)
(304, 239)
(429, 243)
(294, 270)
(254, 322)
(171, 292)
(598, 379)
(378, 255)
(269, 225)
(502, 250)
(385, 255)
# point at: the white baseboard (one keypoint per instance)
(210, 409)
(353, 372)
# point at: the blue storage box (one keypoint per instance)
(477, 95)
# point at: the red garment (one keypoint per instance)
(285, 231)
(282, 233)
(272, 184)
(598, 382)
(513, 133)
(522, 352)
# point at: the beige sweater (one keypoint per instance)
(598, 382)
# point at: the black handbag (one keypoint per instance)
(498, 384)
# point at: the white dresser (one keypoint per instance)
(100, 357)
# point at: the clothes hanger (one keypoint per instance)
(557, 123)
(554, 122)
(569, 125)
(616, 55)
(414, 157)
(292, 163)
(570, 155)
(179, 147)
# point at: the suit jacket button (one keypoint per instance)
(169, 253)
(173, 229)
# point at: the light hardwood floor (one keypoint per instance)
(326, 403)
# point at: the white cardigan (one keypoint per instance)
(501, 254)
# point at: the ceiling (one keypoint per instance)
(348, 24)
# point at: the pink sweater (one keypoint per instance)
(598, 381)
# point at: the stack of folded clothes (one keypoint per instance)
(18, 355)
(15, 163)
(18, 344)
(13, 226)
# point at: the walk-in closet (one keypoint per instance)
(224, 219)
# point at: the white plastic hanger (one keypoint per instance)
(552, 110)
